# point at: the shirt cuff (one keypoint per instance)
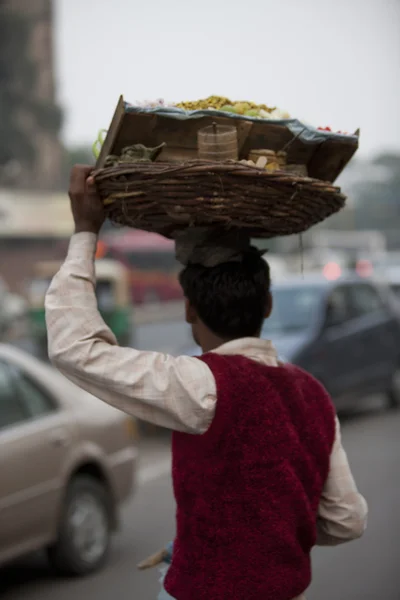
(82, 246)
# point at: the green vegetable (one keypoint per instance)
(98, 144)
(228, 108)
(252, 113)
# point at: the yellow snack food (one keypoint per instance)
(219, 103)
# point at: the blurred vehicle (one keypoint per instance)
(345, 331)
(151, 261)
(316, 260)
(113, 297)
(351, 243)
(13, 314)
(388, 265)
(67, 462)
(3, 312)
(394, 281)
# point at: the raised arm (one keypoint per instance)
(178, 393)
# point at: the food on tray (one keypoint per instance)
(247, 109)
(242, 108)
(272, 161)
(152, 103)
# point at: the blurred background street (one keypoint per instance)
(336, 288)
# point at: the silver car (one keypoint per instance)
(67, 462)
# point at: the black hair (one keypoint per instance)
(232, 298)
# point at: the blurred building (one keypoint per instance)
(33, 227)
(29, 79)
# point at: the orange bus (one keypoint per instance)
(151, 261)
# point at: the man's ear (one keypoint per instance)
(269, 306)
(190, 313)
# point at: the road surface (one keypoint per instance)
(368, 569)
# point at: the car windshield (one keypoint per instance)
(294, 309)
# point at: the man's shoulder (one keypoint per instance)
(304, 379)
(284, 372)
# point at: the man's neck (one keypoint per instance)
(213, 341)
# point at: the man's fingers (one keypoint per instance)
(153, 561)
(86, 205)
(79, 175)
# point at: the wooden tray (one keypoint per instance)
(325, 154)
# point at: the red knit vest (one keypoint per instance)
(247, 491)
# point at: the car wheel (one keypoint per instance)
(84, 530)
(393, 395)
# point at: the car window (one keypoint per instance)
(364, 300)
(294, 309)
(37, 402)
(338, 310)
(12, 410)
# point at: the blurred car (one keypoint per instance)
(388, 264)
(67, 462)
(13, 314)
(3, 298)
(345, 332)
(394, 281)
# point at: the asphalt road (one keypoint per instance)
(368, 569)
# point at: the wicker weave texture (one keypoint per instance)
(165, 197)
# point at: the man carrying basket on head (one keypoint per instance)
(259, 472)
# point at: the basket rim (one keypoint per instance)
(164, 197)
(197, 166)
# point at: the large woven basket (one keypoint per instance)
(165, 197)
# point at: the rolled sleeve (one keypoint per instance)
(343, 511)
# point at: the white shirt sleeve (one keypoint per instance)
(177, 393)
(342, 513)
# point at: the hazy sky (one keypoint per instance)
(329, 62)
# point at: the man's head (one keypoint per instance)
(227, 301)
